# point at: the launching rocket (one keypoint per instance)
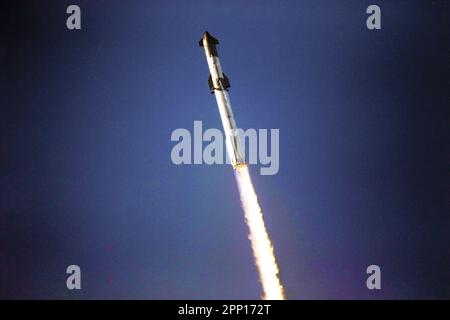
(219, 84)
(261, 245)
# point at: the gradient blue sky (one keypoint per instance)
(86, 174)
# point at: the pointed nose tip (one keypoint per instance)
(204, 36)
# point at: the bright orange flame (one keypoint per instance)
(259, 238)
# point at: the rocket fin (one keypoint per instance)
(225, 82)
(210, 84)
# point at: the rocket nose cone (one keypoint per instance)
(209, 39)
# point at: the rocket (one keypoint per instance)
(219, 84)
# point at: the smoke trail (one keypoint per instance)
(261, 245)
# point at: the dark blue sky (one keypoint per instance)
(87, 179)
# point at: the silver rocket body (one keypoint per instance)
(219, 84)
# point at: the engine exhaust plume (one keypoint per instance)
(262, 247)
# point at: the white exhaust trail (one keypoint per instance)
(259, 238)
